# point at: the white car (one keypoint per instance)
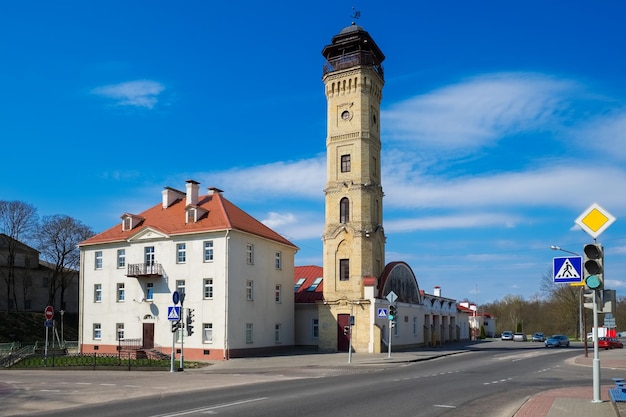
(507, 335)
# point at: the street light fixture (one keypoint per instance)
(580, 301)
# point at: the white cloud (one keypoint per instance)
(605, 134)
(305, 178)
(140, 93)
(574, 186)
(479, 111)
(453, 221)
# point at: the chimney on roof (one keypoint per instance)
(170, 195)
(192, 192)
(213, 190)
(437, 291)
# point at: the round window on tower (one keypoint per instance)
(345, 115)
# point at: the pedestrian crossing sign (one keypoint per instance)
(567, 269)
(173, 313)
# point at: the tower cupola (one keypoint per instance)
(353, 46)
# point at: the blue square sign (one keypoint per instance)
(567, 269)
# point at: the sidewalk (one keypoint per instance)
(578, 401)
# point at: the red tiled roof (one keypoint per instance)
(222, 215)
(309, 273)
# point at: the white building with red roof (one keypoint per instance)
(235, 273)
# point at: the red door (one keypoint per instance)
(148, 336)
(343, 332)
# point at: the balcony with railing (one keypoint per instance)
(145, 270)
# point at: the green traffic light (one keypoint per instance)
(593, 282)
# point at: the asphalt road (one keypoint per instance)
(491, 382)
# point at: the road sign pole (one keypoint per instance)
(389, 339)
(596, 353)
(182, 337)
(173, 355)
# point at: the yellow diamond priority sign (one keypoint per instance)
(595, 220)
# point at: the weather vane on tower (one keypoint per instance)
(355, 14)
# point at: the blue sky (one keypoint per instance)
(501, 122)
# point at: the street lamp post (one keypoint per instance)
(580, 293)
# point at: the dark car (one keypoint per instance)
(507, 335)
(557, 340)
(539, 337)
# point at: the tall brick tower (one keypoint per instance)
(354, 239)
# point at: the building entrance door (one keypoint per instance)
(343, 336)
(148, 336)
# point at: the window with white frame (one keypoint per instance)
(97, 331)
(149, 255)
(121, 258)
(208, 251)
(277, 333)
(98, 260)
(149, 291)
(121, 292)
(250, 254)
(249, 290)
(97, 293)
(207, 332)
(315, 328)
(277, 293)
(181, 253)
(278, 260)
(249, 334)
(119, 331)
(180, 286)
(208, 288)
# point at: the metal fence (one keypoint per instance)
(123, 361)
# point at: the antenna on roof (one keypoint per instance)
(355, 14)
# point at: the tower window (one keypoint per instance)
(344, 269)
(345, 163)
(344, 210)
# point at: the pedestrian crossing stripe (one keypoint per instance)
(567, 270)
(173, 314)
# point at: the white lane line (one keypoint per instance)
(209, 409)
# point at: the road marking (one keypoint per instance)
(209, 409)
(444, 406)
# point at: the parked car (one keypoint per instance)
(507, 335)
(609, 343)
(557, 340)
(519, 337)
(539, 337)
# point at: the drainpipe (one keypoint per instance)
(226, 292)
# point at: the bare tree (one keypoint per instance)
(58, 237)
(17, 222)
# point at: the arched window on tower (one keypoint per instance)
(344, 210)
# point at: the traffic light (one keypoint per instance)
(346, 330)
(588, 296)
(393, 310)
(593, 267)
(190, 320)
(176, 325)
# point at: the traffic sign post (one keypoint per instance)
(594, 221)
(391, 297)
(49, 313)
